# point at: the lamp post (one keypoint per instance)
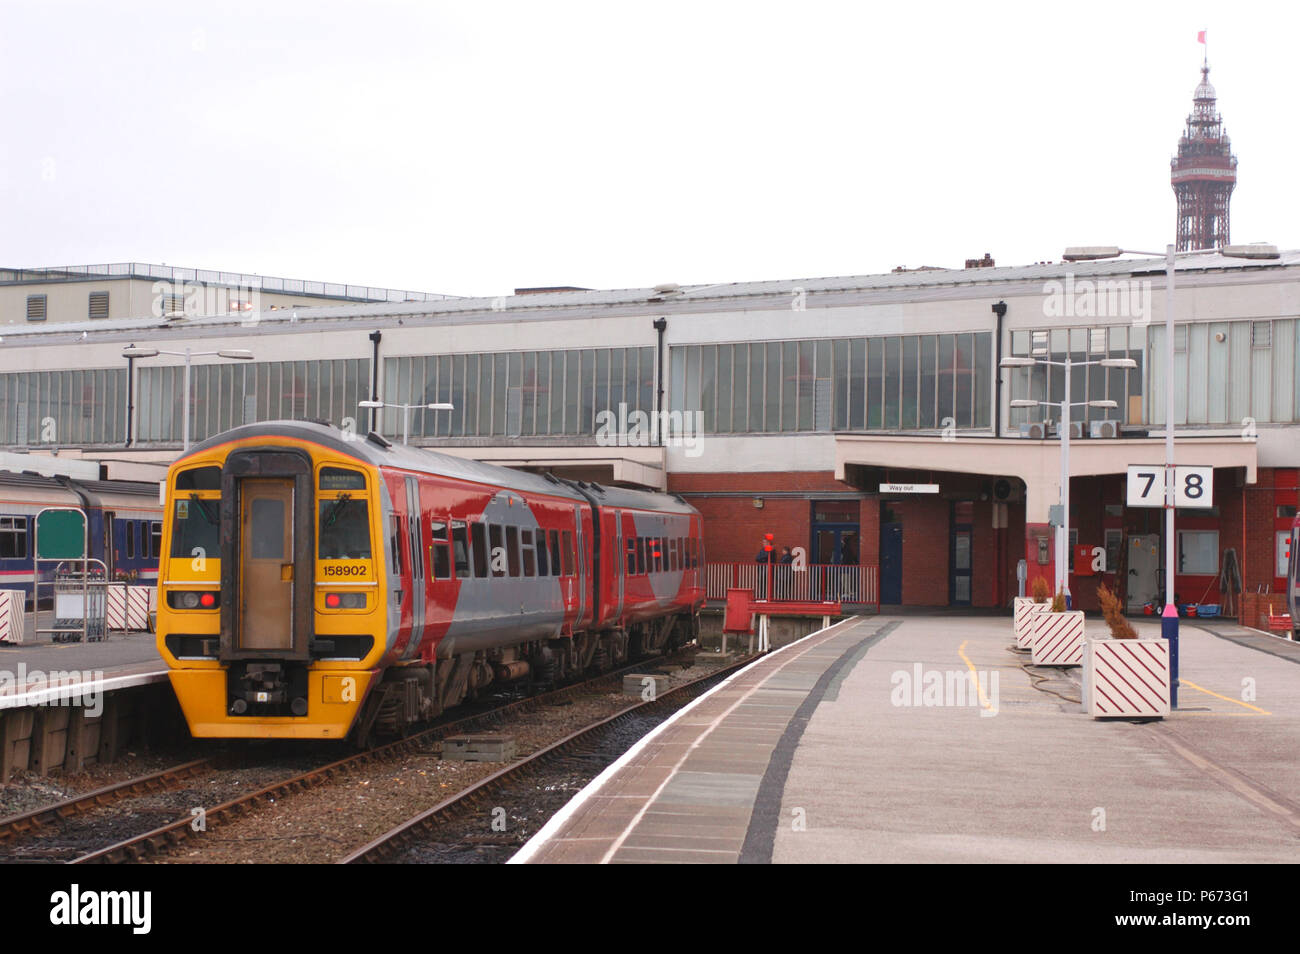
(406, 413)
(1063, 531)
(234, 354)
(1090, 253)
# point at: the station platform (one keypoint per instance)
(827, 751)
(39, 666)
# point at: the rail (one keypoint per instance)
(856, 584)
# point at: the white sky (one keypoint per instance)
(474, 147)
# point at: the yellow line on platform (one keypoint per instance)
(1184, 682)
(961, 651)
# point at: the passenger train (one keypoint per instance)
(319, 585)
(124, 520)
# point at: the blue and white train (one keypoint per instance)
(124, 517)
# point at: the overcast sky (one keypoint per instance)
(473, 148)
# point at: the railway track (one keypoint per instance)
(17, 826)
(391, 845)
(166, 837)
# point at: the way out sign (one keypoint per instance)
(1193, 486)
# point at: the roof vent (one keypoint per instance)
(378, 440)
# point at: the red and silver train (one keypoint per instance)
(316, 586)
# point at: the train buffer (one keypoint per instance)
(742, 609)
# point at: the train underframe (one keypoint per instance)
(413, 694)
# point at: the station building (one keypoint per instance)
(863, 419)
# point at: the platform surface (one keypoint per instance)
(825, 751)
(119, 661)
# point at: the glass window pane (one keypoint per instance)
(910, 407)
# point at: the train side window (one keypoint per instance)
(512, 549)
(155, 539)
(640, 555)
(497, 545)
(130, 540)
(479, 535)
(631, 555)
(543, 561)
(526, 552)
(555, 553)
(672, 554)
(567, 551)
(440, 562)
(460, 548)
(13, 538)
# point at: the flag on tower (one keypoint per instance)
(1200, 37)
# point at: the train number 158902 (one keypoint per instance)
(345, 569)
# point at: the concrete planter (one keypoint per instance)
(1126, 677)
(1023, 615)
(1058, 639)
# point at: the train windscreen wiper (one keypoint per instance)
(207, 508)
(336, 510)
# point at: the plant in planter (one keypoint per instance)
(1124, 674)
(1058, 635)
(1039, 590)
(1113, 613)
(1026, 608)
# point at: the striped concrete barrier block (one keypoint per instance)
(1058, 639)
(115, 606)
(13, 604)
(1127, 677)
(1024, 613)
(139, 600)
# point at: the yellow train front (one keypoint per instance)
(270, 605)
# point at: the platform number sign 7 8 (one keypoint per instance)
(1193, 486)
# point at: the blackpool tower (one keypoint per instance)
(1203, 173)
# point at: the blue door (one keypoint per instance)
(891, 563)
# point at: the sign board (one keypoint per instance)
(909, 488)
(1193, 486)
(61, 534)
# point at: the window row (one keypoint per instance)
(1228, 371)
(660, 554)
(472, 549)
(63, 407)
(902, 382)
(13, 538)
(518, 393)
(1088, 383)
(142, 539)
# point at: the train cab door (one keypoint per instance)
(266, 564)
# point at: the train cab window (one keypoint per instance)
(13, 538)
(543, 563)
(460, 548)
(482, 555)
(526, 552)
(196, 522)
(199, 478)
(512, 549)
(439, 551)
(567, 552)
(344, 529)
(498, 549)
(555, 553)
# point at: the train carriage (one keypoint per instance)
(315, 584)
